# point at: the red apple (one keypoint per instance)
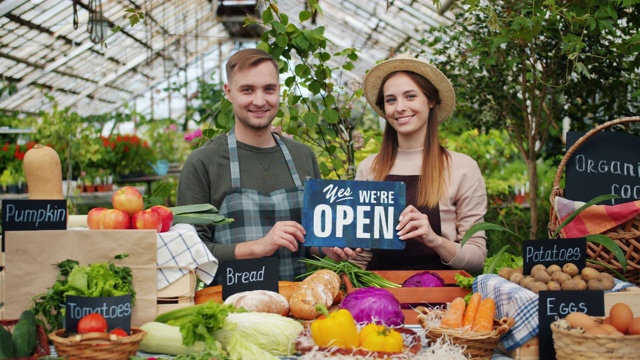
(147, 219)
(128, 199)
(114, 219)
(93, 218)
(166, 215)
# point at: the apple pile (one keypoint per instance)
(128, 213)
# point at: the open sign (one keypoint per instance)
(352, 213)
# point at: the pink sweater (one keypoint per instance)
(464, 204)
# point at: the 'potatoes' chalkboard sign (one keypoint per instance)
(606, 163)
(554, 251)
(353, 213)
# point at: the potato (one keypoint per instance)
(527, 282)
(542, 276)
(594, 284)
(560, 277)
(538, 267)
(589, 273)
(569, 285)
(518, 270)
(607, 280)
(552, 269)
(582, 285)
(539, 286)
(516, 277)
(553, 286)
(505, 272)
(570, 268)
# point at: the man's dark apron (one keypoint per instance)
(255, 213)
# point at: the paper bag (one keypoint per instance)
(30, 258)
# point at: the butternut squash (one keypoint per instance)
(42, 169)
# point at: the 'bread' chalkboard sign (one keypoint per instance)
(606, 163)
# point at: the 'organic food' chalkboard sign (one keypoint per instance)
(353, 213)
(606, 163)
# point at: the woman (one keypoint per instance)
(445, 190)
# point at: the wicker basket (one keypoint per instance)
(626, 235)
(478, 344)
(571, 345)
(97, 346)
(42, 343)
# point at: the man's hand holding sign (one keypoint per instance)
(349, 214)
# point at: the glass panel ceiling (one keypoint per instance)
(41, 51)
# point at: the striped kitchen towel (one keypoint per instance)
(595, 219)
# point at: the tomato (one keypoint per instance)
(118, 332)
(92, 323)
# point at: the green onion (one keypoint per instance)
(358, 277)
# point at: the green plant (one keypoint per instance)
(527, 65)
(595, 238)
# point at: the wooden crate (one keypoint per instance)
(434, 296)
(629, 296)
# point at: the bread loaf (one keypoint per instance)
(321, 287)
(260, 301)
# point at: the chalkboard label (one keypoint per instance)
(554, 251)
(554, 305)
(352, 213)
(246, 275)
(115, 309)
(24, 215)
(606, 163)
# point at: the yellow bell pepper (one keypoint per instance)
(374, 337)
(335, 329)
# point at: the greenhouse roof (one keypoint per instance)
(47, 52)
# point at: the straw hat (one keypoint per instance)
(406, 62)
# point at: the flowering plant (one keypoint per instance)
(11, 156)
(126, 154)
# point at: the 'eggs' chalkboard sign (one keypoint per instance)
(554, 305)
(606, 163)
(353, 213)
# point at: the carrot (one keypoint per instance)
(470, 312)
(452, 318)
(484, 316)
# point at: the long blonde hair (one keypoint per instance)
(433, 182)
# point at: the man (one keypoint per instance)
(252, 175)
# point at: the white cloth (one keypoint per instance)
(180, 250)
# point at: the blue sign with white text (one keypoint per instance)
(353, 213)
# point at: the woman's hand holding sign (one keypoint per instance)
(337, 254)
(415, 225)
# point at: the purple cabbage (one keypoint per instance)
(375, 305)
(424, 279)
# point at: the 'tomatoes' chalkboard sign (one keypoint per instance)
(246, 275)
(21, 215)
(115, 309)
(554, 305)
(606, 163)
(554, 251)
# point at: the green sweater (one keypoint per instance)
(206, 177)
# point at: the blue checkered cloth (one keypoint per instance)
(180, 251)
(516, 302)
